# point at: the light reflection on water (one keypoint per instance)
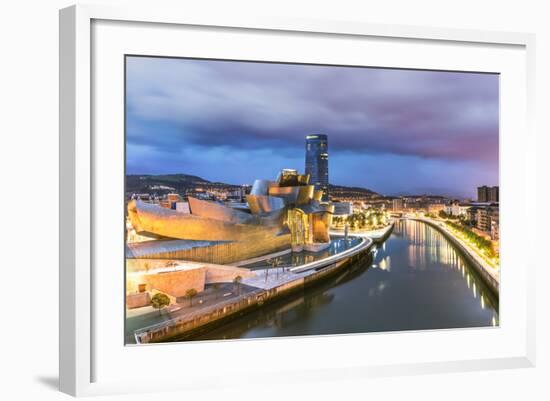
(415, 280)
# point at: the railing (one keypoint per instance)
(363, 245)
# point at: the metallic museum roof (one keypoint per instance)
(289, 203)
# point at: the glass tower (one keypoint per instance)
(317, 162)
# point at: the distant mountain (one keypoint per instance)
(349, 192)
(431, 192)
(165, 183)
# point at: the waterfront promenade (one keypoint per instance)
(376, 236)
(253, 291)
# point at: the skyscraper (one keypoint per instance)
(493, 194)
(487, 194)
(482, 193)
(317, 162)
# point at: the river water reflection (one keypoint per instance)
(415, 280)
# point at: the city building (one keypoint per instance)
(144, 197)
(457, 209)
(471, 215)
(183, 207)
(483, 193)
(487, 220)
(488, 194)
(495, 222)
(483, 220)
(463, 209)
(435, 208)
(282, 214)
(170, 201)
(317, 163)
(397, 204)
(493, 195)
(342, 208)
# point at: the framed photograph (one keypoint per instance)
(336, 198)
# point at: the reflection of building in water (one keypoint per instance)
(385, 263)
(426, 244)
(397, 205)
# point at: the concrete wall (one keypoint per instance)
(381, 238)
(138, 300)
(188, 326)
(176, 283)
(232, 252)
(144, 265)
(225, 274)
(485, 276)
(174, 278)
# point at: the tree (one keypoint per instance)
(237, 281)
(370, 221)
(362, 220)
(190, 294)
(159, 301)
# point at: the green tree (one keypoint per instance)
(237, 282)
(370, 221)
(159, 301)
(362, 220)
(190, 294)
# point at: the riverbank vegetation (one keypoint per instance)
(369, 219)
(484, 245)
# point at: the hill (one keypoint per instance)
(181, 183)
(166, 183)
(351, 192)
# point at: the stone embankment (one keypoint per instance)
(191, 324)
(489, 275)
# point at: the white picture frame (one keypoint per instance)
(79, 345)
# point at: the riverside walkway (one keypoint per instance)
(253, 291)
(376, 236)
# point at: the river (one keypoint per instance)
(415, 280)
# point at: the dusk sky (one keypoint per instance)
(392, 131)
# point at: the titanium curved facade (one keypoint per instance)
(317, 163)
(286, 212)
(211, 225)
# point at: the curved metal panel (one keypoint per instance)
(261, 187)
(317, 195)
(288, 194)
(305, 194)
(149, 218)
(216, 211)
(259, 204)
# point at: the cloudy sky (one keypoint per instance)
(392, 131)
